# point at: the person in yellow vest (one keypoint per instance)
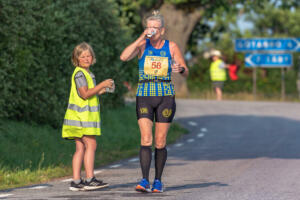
(217, 72)
(82, 118)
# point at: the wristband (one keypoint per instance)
(182, 70)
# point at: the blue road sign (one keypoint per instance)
(267, 44)
(268, 60)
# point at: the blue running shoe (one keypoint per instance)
(157, 186)
(143, 186)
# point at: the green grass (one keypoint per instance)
(32, 153)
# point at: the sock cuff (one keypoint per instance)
(146, 147)
(162, 149)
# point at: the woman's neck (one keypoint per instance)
(157, 44)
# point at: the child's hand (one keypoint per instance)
(108, 83)
(102, 91)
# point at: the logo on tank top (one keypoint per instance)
(150, 52)
(167, 112)
(163, 53)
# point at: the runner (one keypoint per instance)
(155, 99)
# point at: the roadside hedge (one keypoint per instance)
(36, 41)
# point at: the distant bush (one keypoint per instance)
(37, 39)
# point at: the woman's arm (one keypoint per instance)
(86, 93)
(179, 60)
(134, 48)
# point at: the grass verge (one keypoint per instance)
(32, 153)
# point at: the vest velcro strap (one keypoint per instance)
(83, 109)
(82, 124)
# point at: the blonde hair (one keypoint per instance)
(78, 50)
(155, 16)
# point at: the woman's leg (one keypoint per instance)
(161, 131)
(78, 158)
(89, 156)
(145, 125)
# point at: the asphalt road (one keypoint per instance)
(235, 151)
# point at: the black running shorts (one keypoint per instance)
(161, 107)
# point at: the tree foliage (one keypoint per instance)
(269, 19)
(36, 44)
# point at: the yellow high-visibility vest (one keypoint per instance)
(82, 116)
(217, 73)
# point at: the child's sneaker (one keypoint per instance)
(77, 187)
(143, 186)
(94, 184)
(157, 186)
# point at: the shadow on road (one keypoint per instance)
(241, 137)
(191, 186)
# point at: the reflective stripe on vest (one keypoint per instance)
(82, 116)
(217, 73)
(83, 109)
(82, 124)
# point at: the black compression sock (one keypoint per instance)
(145, 160)
(160, 161)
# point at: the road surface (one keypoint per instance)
(234, 151)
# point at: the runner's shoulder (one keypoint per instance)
(172, 45)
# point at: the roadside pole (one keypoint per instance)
(282, 84)
(254, 82)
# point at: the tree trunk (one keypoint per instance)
(179, 26)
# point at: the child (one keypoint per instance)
(82, 118)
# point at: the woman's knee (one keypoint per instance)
(160, 142)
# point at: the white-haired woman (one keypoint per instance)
(155, 98)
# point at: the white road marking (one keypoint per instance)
(133, 160)
(67, 180)
(38, 187)
(178, 145)
(97, 171)
(5, 195)
(115, 166)
(190, 140)
(200, 135)
(191, 123)
(204, 129)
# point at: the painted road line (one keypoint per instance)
(133, 160)
(204, 129)
(38, 187)
(115, 166)
(200, 135)
(178, 145)
(97, 171)
(190, 140)
(67, 180)
(5, 195)
(191, 123)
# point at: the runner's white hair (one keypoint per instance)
(157, 17)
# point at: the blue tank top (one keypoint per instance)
(155, 64)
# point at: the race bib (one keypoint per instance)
(156, 66)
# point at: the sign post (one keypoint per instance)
(268, 53)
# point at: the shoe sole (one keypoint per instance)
(157, 191)
(95, 187)
(76, 189)
(139, 188)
